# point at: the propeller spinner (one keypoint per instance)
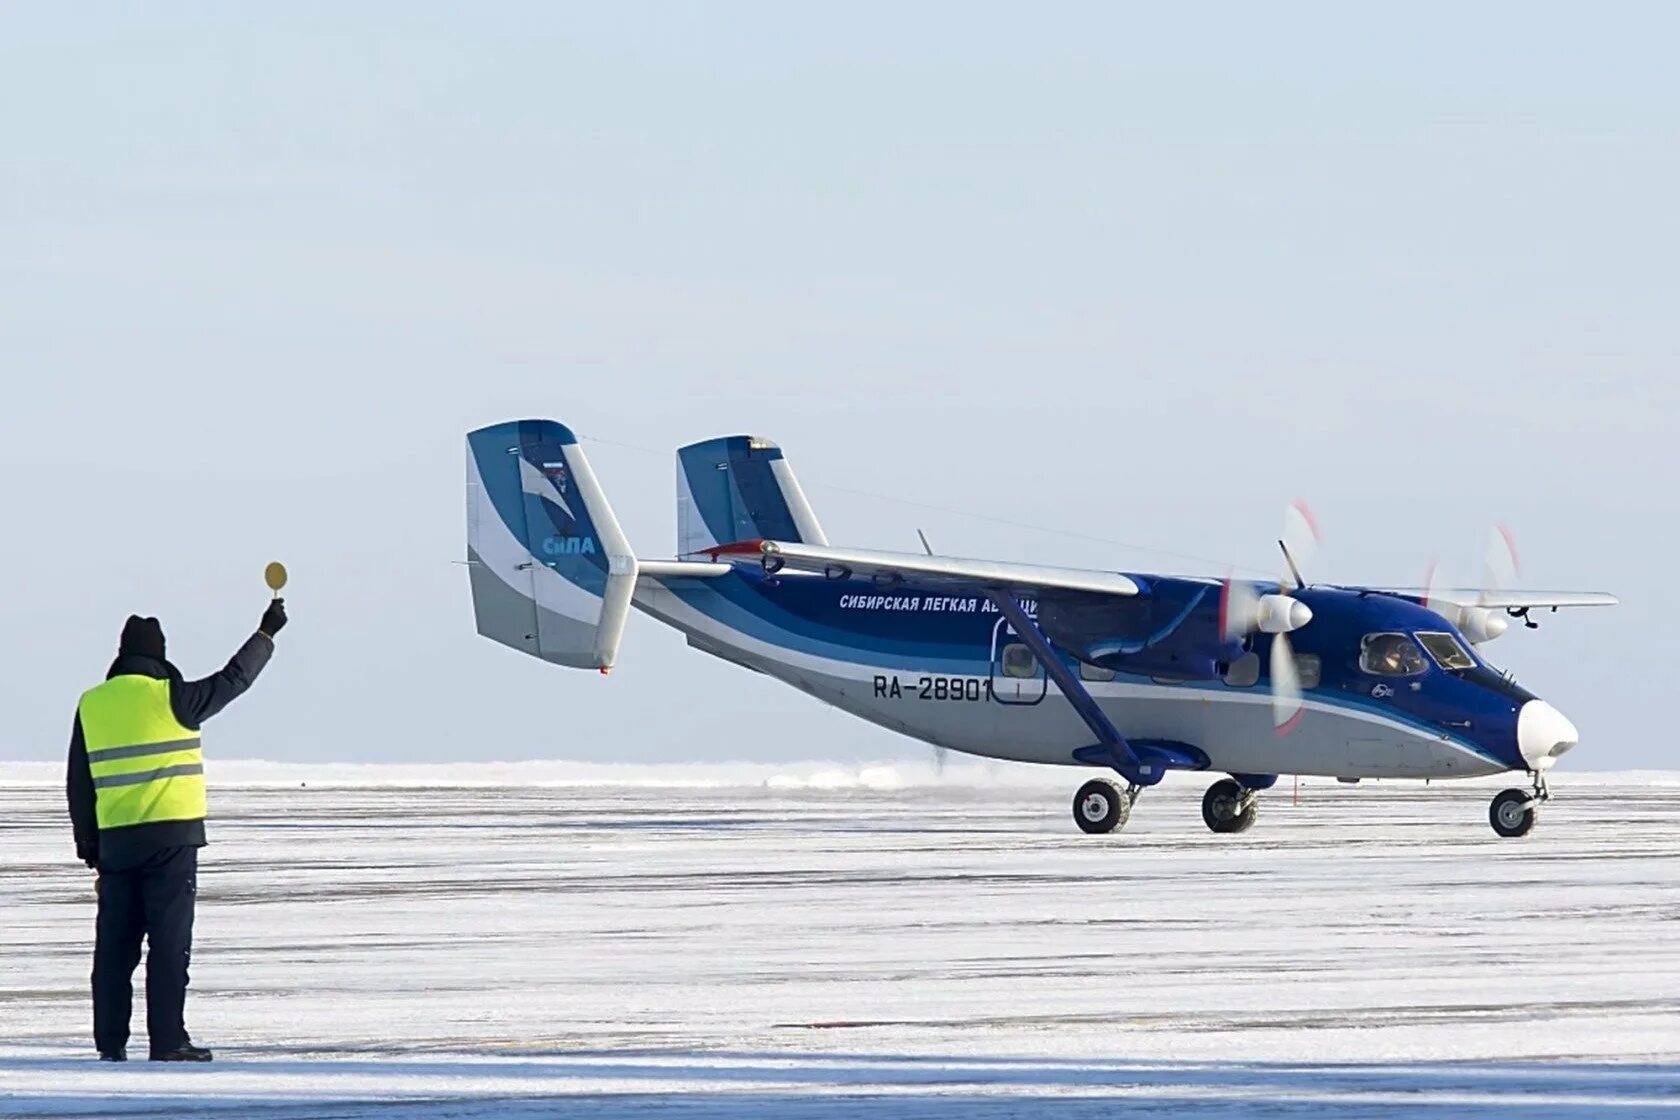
(1244, 611)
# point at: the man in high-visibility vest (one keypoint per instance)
(137, 803)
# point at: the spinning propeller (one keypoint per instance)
(1244, 611)
(1477, 621)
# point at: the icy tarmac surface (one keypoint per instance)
(803, 945)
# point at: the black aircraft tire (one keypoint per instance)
(1219, 808)
(1511, 813)
(1100, 807)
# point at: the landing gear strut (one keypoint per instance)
(1229, 806)
(1513, 812)
(1101, 806)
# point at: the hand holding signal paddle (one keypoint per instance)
(275, 616)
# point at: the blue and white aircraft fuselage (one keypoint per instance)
(1133, 673)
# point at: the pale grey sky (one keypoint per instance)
(1142, 272)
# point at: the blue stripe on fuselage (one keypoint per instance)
(805, 614)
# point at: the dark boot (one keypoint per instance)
(120, 1054)
(186, 1052)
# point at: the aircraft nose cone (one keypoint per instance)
(1543, 733)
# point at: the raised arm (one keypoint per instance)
(196, 701)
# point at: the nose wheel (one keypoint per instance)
(1514, 811)
(1101, 806)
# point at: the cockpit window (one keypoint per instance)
(1390, 655)
(1446, 651)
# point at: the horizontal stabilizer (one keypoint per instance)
(925, 570)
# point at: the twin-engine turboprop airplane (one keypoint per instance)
(1126, 672)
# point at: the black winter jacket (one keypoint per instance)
(193, 702)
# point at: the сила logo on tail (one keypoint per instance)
(569, 546)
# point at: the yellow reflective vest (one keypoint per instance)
(146, 765)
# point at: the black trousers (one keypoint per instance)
(153, 901)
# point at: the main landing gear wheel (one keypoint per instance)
(1101, 806)
(1512, 812)
(1228, 807)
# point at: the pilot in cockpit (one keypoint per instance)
(1391, 655)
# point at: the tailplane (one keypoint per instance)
(552, 572)
(739, 488)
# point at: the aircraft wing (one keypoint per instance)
(1512, 600)
(931, 571)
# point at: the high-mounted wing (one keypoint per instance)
(1507, 600)
(1481, 614)
(933, 571)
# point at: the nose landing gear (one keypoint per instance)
(1513, 812)
(1101, 806)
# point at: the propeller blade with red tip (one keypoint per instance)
(1238, 607)
(1500, 565)
(1286, 686)
(1300, 541)
(1429, 583)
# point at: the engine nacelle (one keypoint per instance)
(1481, 624)
(1477, 624)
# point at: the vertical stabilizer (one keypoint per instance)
(552, 572)
(739, 488)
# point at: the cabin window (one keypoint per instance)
(1446, 651)
(1244, 671)
(1309, 668)
(1018, 661)
(1390, 655)
(1088, 672)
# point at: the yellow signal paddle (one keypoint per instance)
(275, 576)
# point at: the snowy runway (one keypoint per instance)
(715, 942)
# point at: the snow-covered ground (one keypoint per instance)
(552, 940)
